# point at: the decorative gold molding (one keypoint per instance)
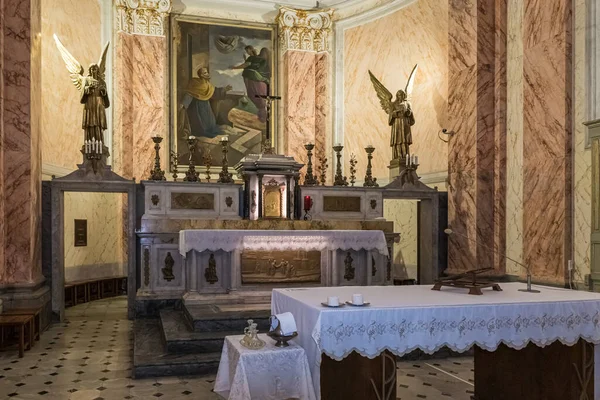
(142, 17)
(304, 30)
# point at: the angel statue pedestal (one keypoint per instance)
(396, 167)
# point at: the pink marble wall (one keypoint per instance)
(547, 131)
(20, 172)
(306, 103)
(477, 113)
(123, 106)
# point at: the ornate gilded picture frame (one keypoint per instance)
(218, 69)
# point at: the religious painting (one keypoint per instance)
(219, 72)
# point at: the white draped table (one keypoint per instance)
(403, 318)
(311, 240)
(275, 373)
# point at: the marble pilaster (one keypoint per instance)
(20, 157)
(304, 41)
(547, 135)
(477, 115)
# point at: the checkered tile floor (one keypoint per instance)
(90, 357)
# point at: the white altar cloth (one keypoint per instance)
(404, 318)
(230, 240)
(274, 373)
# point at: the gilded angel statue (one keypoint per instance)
(401, 117)
(92, 88)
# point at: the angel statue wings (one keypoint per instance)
(92, 89)
(400, 115)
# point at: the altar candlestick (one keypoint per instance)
(307, 203)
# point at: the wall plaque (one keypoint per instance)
(281, 267)
(80, 232)
(192, 201)
(341, 204)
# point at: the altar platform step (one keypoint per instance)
(151, 358)
(234, 297)
(179, 338)
(225, 318)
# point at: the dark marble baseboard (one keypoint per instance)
(211, 319)
(151, 308)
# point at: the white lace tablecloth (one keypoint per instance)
(271, 373)
(230, 240)
(404, 318)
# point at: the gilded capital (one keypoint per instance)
(142, 17)
(304, 29)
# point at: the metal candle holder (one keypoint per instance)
(310, 179)
(157, 174)
(369, 180)
(191, 175)
(339, 179)
(174, 164)
(322, 167)
(224, 175)
(207, 164)
(353, 163)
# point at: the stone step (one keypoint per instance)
(226, 318)
(179, 338)
(151, 359)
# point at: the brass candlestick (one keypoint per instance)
(352, 169)
(323, 170)
(207, 164)
(369, 180)
(224, 175)
(174, 164)
(157, 174)
(191, 175)
(339, 179)
(310, 179)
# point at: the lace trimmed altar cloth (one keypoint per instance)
(230, 240)
(268, 373)
(404, 318)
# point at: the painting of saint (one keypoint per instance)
(218, 72)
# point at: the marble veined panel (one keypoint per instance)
(149, 111)
(390, 46)
(545, 19)
(105, 245)
(322, 106)
(123, 106)
(73, 21)
(514, 148)
(300, 104)
(19, 53)
(547, 146)
(403, 213)
(582, 156)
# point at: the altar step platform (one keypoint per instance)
(189, 341)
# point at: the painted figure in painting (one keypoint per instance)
(93, 93)
(196, 103)
(256, 78)
(400, 115)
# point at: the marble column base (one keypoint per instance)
(30, 295)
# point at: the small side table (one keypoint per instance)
(269, 373)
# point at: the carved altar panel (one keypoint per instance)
(281, 267)
(341, 203)
(193, 201)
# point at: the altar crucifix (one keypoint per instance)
(266, 145)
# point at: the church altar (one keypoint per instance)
(221, 261)
(402, 319)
